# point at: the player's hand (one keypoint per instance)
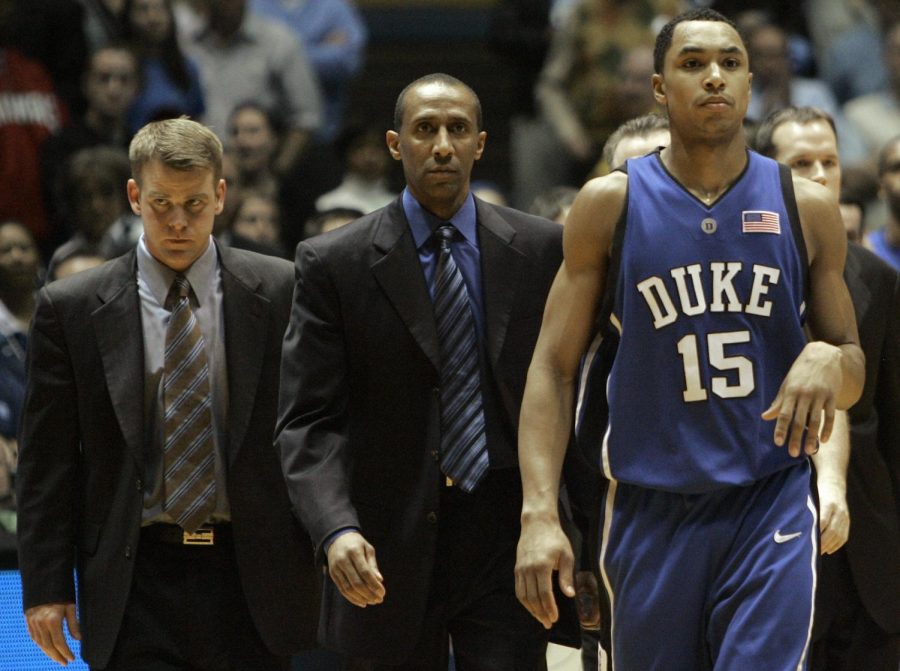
(45, 626)
(834, 517)
(807, 394)
(543, 548)
(352, 567)
(587, 600)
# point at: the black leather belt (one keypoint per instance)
(208, 534)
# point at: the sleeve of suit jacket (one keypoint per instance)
(48, 464)
(889, 392)
(312, 430)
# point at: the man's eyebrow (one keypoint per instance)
(161, 194)
(692, 49)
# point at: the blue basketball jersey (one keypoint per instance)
(709, 303)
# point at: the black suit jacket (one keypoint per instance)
(873, 474)
(82, 444)
(359, 422)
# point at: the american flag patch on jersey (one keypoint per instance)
(760, 221)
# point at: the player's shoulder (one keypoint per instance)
(599, 203)
(606, 189)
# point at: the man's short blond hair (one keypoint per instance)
(180, 144)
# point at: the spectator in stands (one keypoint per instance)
(51, 32)
(102, 220)
(519, 34)
(20, 270)
(577, 86)
(30, 112)
(243, 56)
(848, 40)
(102, 22)
(255, 224)
(367, 162)
(334, 36)
(254, 135)
(776, 87)
(877, 115)
(170, 82)
(110, 86)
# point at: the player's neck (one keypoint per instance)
(706, 170)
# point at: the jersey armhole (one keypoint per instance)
(790, 203)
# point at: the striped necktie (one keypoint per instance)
(188, 447)
(463, 442)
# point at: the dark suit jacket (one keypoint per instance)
(359, 422)
(873, 474)
(82, 445)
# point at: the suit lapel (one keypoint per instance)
(117, 327)
(502, 271)
(399, 275)
(246, 320)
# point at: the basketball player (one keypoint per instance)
(714, 258)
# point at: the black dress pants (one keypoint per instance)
(472, 604)
(845, 637)
(186, 612)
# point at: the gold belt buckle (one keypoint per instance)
(203, 536)
(448, 482)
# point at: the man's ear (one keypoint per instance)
(134, 196)
(392, 138)
(479, 150)
(659, 89)
(221, 189)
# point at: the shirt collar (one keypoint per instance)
(159, 277)
(423, 223)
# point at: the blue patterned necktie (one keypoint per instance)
(188, 448)
(464, 455)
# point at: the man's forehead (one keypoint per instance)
(435, 98)
(805, 129)
(706, 36)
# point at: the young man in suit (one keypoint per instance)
(146, 458)
(403, 370)
(857, 623)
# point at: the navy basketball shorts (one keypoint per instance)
(723, 580)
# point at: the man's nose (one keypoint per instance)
(817, 173)
(179, 218)
(714, 79)
(442, 144)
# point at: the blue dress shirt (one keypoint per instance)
(465, 251)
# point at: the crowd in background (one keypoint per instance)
(274, 79)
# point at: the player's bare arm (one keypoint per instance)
(829, 372)
(547, 407)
